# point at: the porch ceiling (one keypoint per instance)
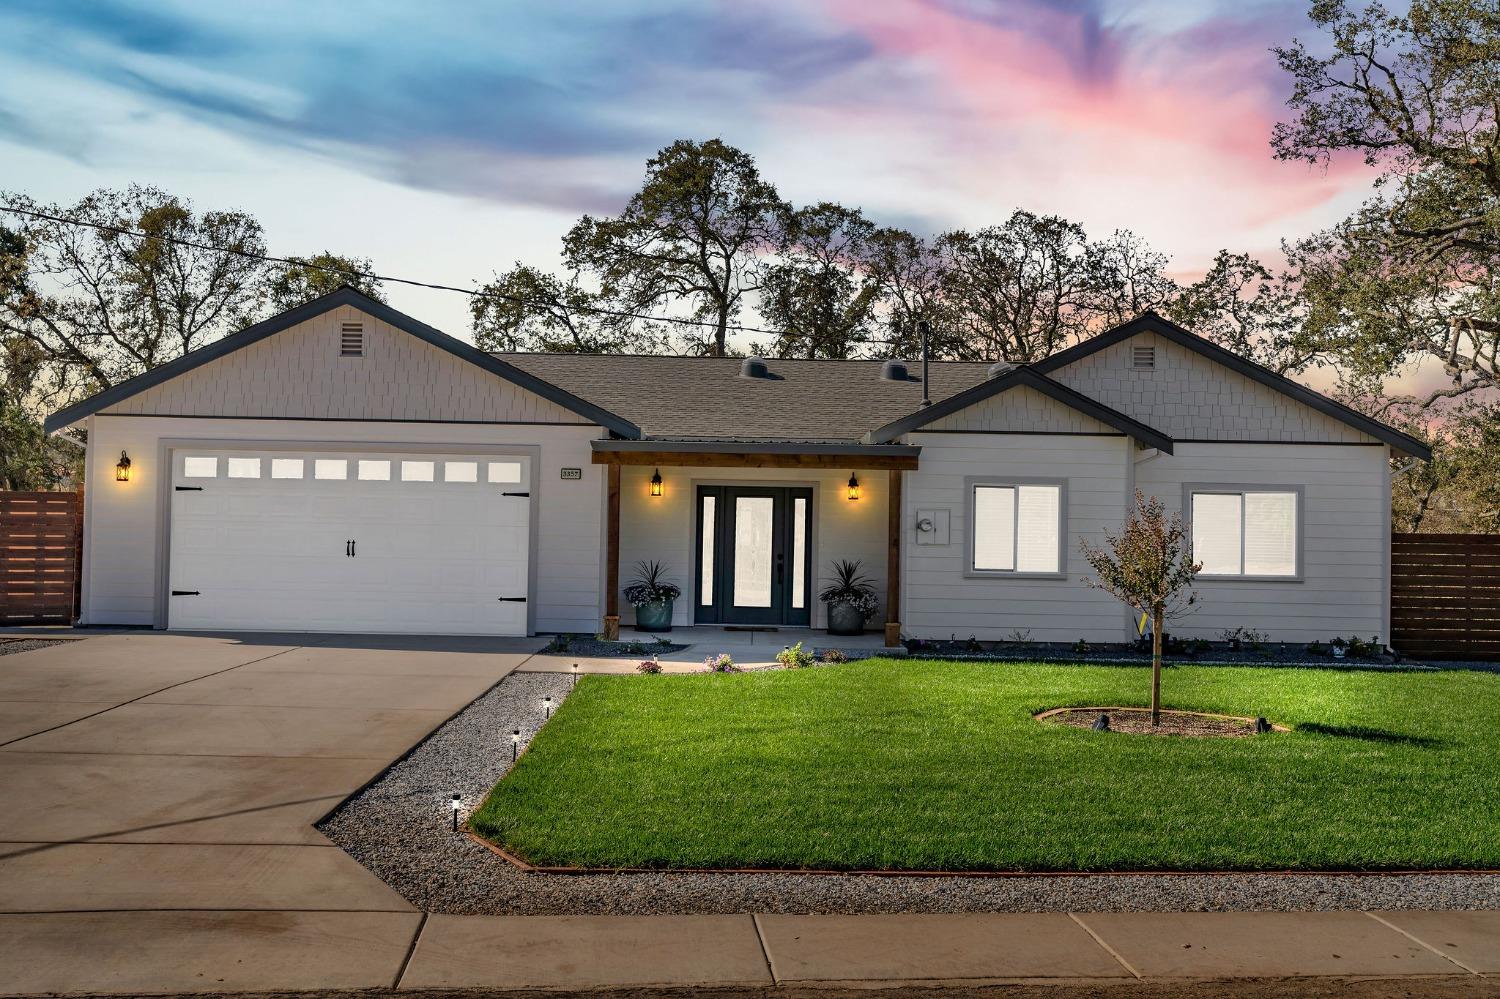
(748, 454)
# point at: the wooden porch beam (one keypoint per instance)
(893, 561)
(753, 460)
(611, 629)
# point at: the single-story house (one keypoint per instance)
(344, 467)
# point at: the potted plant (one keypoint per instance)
(850, 598)
(651, 596)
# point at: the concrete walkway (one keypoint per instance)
(157, 836)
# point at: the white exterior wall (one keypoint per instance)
(665, 528)
(123, 519)
(940, 600)
(1345, 539)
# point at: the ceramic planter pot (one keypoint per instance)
(845, 619)
(655, 616)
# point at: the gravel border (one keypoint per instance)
(12, 646)
(399, 827)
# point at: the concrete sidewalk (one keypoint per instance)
(160, 792)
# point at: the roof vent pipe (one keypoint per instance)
(894, 371)
(754, 367)
(1000, 367)
(926, 331)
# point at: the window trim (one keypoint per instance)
(1240, 488)
(973, 482)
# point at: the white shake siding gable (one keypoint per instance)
(1020, 409)
(299, 372)
(940, 600)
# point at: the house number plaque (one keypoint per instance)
(572, 473)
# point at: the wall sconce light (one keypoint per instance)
(122, 468)
(853, 486)
(656, 483)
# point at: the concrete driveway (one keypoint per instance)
(159, 797)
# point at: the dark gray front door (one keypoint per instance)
(754, 556)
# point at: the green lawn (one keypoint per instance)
(926, 765)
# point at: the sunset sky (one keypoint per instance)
(448, 140)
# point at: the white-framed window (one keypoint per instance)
(200, 467)
(244, 468)
(374, 470)
(286, 468)
(1015, 527)
(1246, 531)
(330, 468)
(460, 471)
(417, 471)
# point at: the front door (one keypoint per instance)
(754, 559)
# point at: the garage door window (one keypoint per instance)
(195, 467)
(417, 471)
(286, 468)
(506, 473)
(460, 471)
(374, 470)
(244, 468)
(330, 468)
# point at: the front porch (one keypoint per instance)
(749, 531)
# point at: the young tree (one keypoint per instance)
(102, 307)
(1413, 273)
(693, 233)
(1149, 566)
(528, 309)
(816, 294)
(307, 278)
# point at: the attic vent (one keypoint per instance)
(894, 371)
(1143, 357)
(352, 340)
(754, 367)
(999, 368)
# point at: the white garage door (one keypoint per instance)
(351, 542)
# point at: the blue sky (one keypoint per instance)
(448, 140)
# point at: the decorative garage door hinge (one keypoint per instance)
(188, 489)
(515, 494)
(184, 593)
(512, 600)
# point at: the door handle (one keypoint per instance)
(354, 548)
(780, 568)
(348, 549)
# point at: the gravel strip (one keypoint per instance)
(11, 646)
(400, 828)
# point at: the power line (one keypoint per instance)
(368, 275)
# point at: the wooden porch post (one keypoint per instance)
(893, 560)
(611, 629)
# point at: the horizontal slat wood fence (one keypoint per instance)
(1445, 595)
(41, 551)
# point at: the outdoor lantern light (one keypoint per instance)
(575, 676)
(656, 483)
(122, 468)
(515, 744)
(853, 486)
(547, 706)
(457, 804)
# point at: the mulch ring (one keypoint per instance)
(1137, 721)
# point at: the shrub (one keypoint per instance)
(795, 657)
(648, 666)
(721, 663)
(834, 656)
(851, 587)
(649, 586)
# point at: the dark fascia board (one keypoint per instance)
(1150, 322)
(1023, 375)
(755, 447)
(309, 310)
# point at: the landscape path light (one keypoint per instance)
(575, 676)
(457, 804)
(547, 706)
(515, 745)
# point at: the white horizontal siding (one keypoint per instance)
(1345, 539)
(939, 600)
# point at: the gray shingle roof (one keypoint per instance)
(704, 398)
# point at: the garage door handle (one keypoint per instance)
(188, 489)
(513, 600)
(515, 494)
(184, 593)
